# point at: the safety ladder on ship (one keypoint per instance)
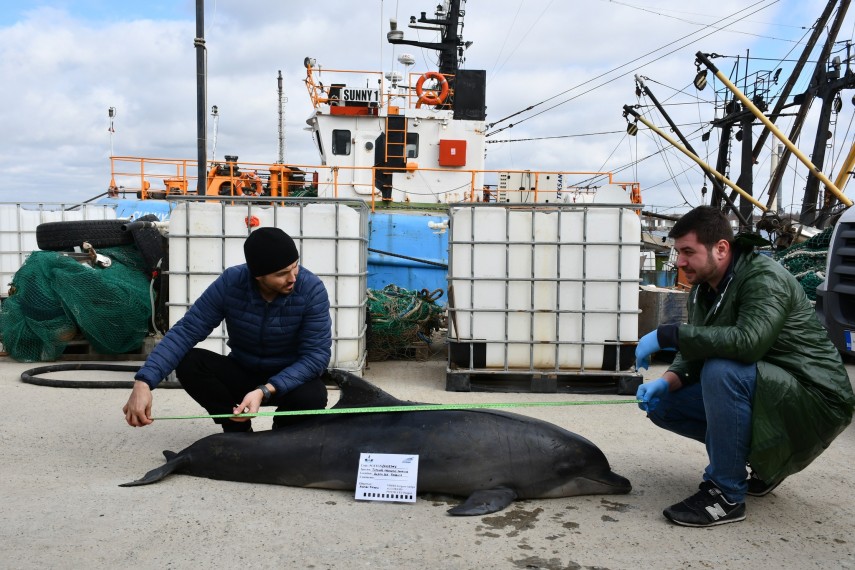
(395, 148)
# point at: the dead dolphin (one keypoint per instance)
(492, 457)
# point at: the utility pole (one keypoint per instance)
(201, 99)
(774, 203)
(281, 120)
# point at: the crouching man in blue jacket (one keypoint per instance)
(278, 321)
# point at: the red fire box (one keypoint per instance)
(452, 152)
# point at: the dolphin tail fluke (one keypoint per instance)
(174, 461)
(484, 502)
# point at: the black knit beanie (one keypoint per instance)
(268, 250)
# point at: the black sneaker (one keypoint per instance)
(707, 507)
(757, 487)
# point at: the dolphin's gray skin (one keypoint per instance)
(491, 457)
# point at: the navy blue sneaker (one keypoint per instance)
(707, 507)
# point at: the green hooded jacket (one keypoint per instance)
(803, 398)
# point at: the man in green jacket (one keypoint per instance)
(755, 378)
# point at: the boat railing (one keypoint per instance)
(137, 175)
(431, 83)
(147, 178)
(331, 92)
(327, 87)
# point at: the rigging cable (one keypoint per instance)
(662, 14)
(524, 36)
(659, 143)
(613, 70)
(505, 41)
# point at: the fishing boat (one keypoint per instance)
(408, 145)
(539, 269)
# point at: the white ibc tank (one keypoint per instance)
(18, 224)
(207, 237)
(545, 287)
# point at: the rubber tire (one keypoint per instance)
(58, 236)
(31, 376)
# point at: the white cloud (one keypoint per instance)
(62, 71)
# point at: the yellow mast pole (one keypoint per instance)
(694, 157)
(848, 165)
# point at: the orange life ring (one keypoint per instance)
(430, 96)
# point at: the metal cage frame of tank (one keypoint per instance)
(342, 267)
(541, 339)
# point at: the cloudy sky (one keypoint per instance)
(64, 63)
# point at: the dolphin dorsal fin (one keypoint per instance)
(359, 393)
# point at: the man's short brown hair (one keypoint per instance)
(708, 223)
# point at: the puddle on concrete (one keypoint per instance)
(518, 519)
(536, 562)
(438, 500)
(613, 506)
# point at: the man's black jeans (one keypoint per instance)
(219, 384)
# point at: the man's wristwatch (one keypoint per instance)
(266, 393)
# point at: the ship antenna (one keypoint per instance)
(111, 112)
(112, 190)
(282, 101)
(215, 113)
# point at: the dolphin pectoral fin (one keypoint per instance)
(484, 502)
(174, 461)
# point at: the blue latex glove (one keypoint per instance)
(650, 393)
(647, 345)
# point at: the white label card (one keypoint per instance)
(387, 477)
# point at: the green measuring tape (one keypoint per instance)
(415, 408)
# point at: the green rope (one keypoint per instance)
(415, 408)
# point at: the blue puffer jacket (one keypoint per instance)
(289, 336)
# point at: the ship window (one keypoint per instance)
(340, 142)
(412, 145)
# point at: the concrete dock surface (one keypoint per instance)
(65, 451)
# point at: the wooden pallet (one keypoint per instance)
(80, 349)
(624, 384)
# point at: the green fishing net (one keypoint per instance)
(401, 319)
(54, 298)
(807, 260)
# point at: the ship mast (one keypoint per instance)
(448, 22)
